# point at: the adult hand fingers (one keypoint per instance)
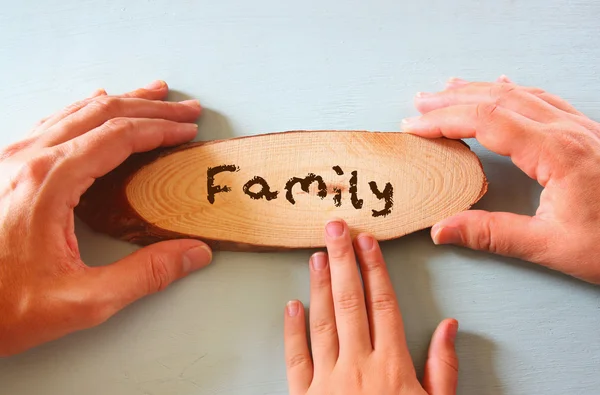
(51, 120)
(297, 356)
(498, 129)
(456, 82)
(441, 368)
(549, 98)
(102, 110)
(98, 152)
(558, 102)
(323, 330)
(386, 327)
(348, 296)
(156, 90)
(505, 95)
(452, 83)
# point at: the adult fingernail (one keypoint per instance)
(318, 261)
(98, 92)
(334, 228)
(196, 258)
(504, 78)
(158, 84)
(456, 80)
(191, 103)
(365, 242)
(445, 235)
(453, 330)
(409, 122)
(293, 308)
(188, 127)
(423, 94)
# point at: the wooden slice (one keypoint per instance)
(276, 191)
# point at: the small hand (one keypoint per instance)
(46, 291)
(357, 338)
(549, 140)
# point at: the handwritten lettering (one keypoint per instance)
(305, 184)
(356, 202)
(337, 199)
(266, 193)
(210, 180)
(265, 190)
(387, 194)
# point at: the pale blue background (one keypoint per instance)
(272, 65)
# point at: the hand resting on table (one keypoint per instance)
(357, 336)
(46, 291)
(549, 140)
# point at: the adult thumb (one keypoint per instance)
(505, 234)
(146, 271)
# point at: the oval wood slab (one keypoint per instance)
(276, 191)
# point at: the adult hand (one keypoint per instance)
(358, 344)
(46, 291)
(549, 140)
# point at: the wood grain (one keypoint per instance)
(276, 191)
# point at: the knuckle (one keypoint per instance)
(341, 252)
(298, 360)
(159, 275)
(323, 327)
(33, 170)
(95, 314)
(450, 360)
(372, 265)
(348, 302)
(485, 112)
(384, 303)
(106, 104)
(484, 239)
(502, 91)
(119, 124)
(74, 107)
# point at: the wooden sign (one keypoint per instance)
(277, 191)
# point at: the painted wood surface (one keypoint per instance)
(270, 65)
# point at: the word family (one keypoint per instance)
(265, 191)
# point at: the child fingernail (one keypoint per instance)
(334, 228)
(293, 308)
(365, 242)
(319, 261)
(453, 330)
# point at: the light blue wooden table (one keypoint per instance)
(271, 65)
